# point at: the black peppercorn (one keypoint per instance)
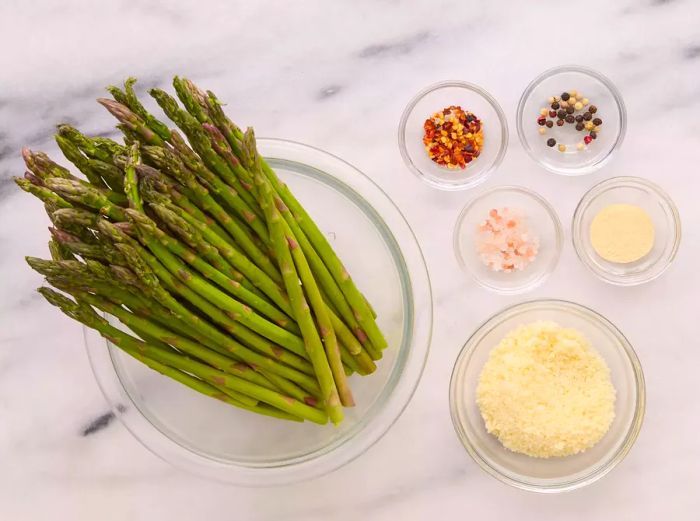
(570, 119)
(593, 134)
(555, 105)
(565, 96)
(597, 121)
(570, 109)
(561, 114)
(579, 126)
(551, 142)
(549, 124)
(579, 118)
(587, 116)
(592, 109)
(560, 122)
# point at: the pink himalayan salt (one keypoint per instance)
(504, 241)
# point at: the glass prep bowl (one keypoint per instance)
(553, 474)
(435, 98)
(221, 442)
(600, 91)
(655, 202)
(542, 220)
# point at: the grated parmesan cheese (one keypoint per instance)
(545, 392)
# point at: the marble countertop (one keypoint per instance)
(337, 76)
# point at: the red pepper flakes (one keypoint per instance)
(453, 137)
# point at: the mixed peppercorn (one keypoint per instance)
(453, 137)
(572, 108)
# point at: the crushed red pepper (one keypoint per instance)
(453, 137)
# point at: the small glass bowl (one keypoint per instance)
(552, 474)
(600, 91)
(653, 200)
(541, 219)
(435, 98)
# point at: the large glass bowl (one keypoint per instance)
(218, 441)
(552, 474)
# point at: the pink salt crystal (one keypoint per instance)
(506, 248)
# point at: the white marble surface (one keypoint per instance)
(337, 75)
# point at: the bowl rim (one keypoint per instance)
(578, 235)
(471, 181)
(619, 102)
(416, 276)
(559, 239)
(465, 356)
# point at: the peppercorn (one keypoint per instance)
(570, 109)
(593, 134)
(541, 120)
(587, 116)
(549, 124)
(588, 125)
(542, 130)
(550, 99)
(563, 104)
(579, 118)
(552, 113)
(555, 105)
(585, 101)
(561, 114)
(560, 122)
(565, 96)
(543, 111)
(597, 121)
(587, 140)
(592, 109)
(579, 146)
(578, 105)
(551, 142)
(570, 119)
(579, 126)
(562, 148)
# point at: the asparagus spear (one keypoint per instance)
(102, 149)
(131, 184)
(75, 156)
(300, 306)
(131, 121)
(86, 196)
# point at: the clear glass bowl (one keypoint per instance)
(435, 98)
(542, 220)
(600, 91)
(218, 441)
(553, 474)
(657, 204)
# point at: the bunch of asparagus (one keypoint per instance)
(223, 280)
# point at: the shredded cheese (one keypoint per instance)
(545, 392)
